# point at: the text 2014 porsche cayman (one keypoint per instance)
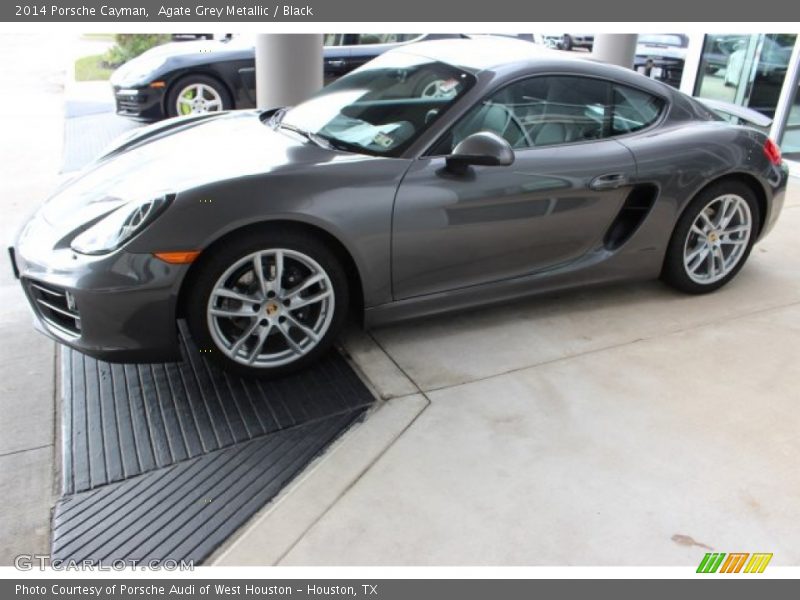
(53, 10)
(438, 176)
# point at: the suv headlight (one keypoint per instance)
(116, 228)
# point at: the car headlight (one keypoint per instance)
(119, 226)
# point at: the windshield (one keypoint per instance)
(382, 107)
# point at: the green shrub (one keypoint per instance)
(92, 68)
(131, 45)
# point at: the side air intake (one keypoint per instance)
(633, 212)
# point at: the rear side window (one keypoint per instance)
(384, 38)
(634, 110)
(333, 39)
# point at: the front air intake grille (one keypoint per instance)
(129, 107)
(56, 307)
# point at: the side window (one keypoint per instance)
(540, 111)
(634, 110)
(384, 38)
(332, 39)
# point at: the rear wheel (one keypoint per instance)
(267, 304)
(712, 239)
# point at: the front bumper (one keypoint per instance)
(119, 307)
(140, 102)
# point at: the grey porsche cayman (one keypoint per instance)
(438, 176)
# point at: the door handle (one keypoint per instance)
(335, 63)
(610, 181)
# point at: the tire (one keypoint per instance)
(266, 338)
(215, 96)
(566, 42)
(702, 255)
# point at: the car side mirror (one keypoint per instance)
(483, 148)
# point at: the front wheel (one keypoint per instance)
(712, 239)
(197, 94)
(267, 304)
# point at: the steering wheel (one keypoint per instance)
(436, 89)
(512, 119)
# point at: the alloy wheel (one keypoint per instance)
(717, 239)
(270, 308)
(198, 98)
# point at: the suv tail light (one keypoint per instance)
(772, 152)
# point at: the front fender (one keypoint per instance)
(352, 202)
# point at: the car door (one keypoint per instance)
(552, 206)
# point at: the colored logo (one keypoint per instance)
(735, 562)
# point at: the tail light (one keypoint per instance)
(772, 152)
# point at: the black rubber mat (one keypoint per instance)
(167, 460)
(119, 421)
(184, 511)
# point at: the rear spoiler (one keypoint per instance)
(748, 115)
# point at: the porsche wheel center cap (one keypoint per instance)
(272, 309)
(713, 237)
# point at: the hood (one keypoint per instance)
(182, 48)
(186, 154)
(151, 62)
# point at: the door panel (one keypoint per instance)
(497, 223)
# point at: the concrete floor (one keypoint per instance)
(621, 426)
(32, 122)
(31, 119)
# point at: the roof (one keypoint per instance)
(514, 56)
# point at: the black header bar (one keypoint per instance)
(436, 11)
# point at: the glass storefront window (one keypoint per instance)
(790, 145)
(748, 70)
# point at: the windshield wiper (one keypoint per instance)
(273, 119)
(311, 137)
(340, 144)
(328, 142)
(324, 141)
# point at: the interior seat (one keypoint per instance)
(550, 133)
(492, 117)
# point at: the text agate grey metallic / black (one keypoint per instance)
(414, 236)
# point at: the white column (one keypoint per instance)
(288, 68)
(691, 66)
(615, 48)
(788, 94)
